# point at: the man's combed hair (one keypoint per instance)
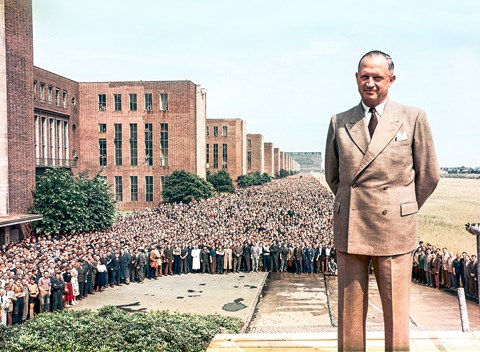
(378, 52)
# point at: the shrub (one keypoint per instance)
(182, 186)
(112, 329)
(72, 203)
(221, 181)
(253, 179)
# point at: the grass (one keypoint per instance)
(454, 203)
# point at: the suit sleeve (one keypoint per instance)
(427, 169)
(331, 158)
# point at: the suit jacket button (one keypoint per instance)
(384, 212)
(385, 188)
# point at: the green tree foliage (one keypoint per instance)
(182, 186)
(112, 329)
(72, 203)
(221, 181)
(253, 179)
(284, 173)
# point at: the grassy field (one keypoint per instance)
(454, 203)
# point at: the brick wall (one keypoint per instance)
(235, 140)
(19, 72)
(256, 150)
(183, 133)
(268, 158)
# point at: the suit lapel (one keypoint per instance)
(388, 125)
(357, 128)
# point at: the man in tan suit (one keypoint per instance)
(381, 165)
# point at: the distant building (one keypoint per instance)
(226, 147)
(276, 161)
(268, 158)
(255, 153)
(308, 161)
(136, 133)
(131, 133)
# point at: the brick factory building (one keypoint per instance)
(140, 132)
(132, 133)
(268, 157)
(255, 153)
(226, 147)
(17, 159)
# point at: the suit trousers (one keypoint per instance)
(228, 259)
(392, 274)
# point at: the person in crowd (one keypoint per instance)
(45, 288)
(102, 275)
(332, 267)
(33, 292)
(58, 288)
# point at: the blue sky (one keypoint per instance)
(285, 67)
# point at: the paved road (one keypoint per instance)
(289, 303)
(192, 293)
(308, 303)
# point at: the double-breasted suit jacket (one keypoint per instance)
(379, 183)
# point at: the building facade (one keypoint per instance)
(56, 120)
(255, 153)
(307, 161)
(226, 147)
(136, 133)
(17, 159)
(268, 158)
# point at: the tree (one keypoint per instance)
(182, 186)
(253, 179)
(71, 203)
(221, 181)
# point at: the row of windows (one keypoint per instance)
(215, 131)
(133, 140)
(51, 139)
(118, 186)
(215, 155)
(49, 94)
(133, 102)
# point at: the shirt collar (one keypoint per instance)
(379, 108)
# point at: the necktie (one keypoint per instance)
(373, 121)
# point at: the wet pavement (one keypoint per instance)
(292, 303)
(308, 303)
(230, 295)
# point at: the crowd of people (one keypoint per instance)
(440, 268)
(285, 225)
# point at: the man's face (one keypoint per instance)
(374, 80)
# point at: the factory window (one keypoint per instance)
(102, 102)
(117, 99)
(133, 101)
(148, 102)
(117, 141)
(163, 101)
(133, 144)
(134, 188)
(118, 188)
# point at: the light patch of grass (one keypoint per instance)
(454, 203)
